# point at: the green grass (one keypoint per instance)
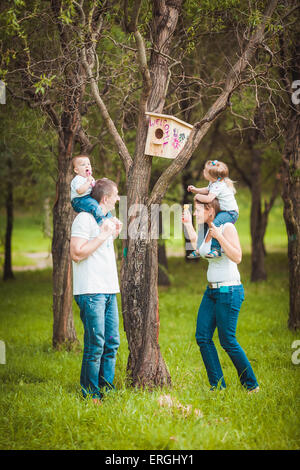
(40, 402)
(28, 237)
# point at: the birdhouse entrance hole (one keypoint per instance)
(159, 133)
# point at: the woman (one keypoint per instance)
(222, 299)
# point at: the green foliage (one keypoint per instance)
(43, 83)
(67, 11)
(28, 146)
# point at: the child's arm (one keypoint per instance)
(205, 197)
(193, 189)
(85, 186)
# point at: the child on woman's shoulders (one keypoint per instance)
(220, 186)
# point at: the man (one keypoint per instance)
(95, 285)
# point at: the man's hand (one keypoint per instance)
(108, 227)
(118, 226)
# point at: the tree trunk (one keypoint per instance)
(163, 276)
(186, 180)
(63, 324)
(258, 221)
(146, 366)
(259, 217)
(291, 200)
(139, 274)
(8, 272)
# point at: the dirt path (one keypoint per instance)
(42, 260)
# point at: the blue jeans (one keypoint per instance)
(221, 218)
(99, 315)
(90, 205)
(220, 309)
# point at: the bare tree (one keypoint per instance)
(139, 269)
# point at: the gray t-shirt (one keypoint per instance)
(224, 194)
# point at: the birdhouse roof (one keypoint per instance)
(172, 118)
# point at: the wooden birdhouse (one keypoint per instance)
(166, 136)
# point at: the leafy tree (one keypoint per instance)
(25, 165)
(126, 67)
(288, 118)
(139, 270)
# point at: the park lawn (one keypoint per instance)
(40, 402)
(28, 238)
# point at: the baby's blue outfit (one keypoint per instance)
(86, 203)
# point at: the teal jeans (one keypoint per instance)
(220, 309)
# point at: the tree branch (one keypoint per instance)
(200, 129)
(123, 151)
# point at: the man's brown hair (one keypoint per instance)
(103, 187)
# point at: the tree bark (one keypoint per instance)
(290, 72)
(8, 272)
(63, 324)
(291, 200)
(139, 274)
(163, 276)
(146, 366)
(258, 219)
(258, 222)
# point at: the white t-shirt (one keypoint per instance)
(220, 269)
(76, 183)
(224, 194)
(98, 273)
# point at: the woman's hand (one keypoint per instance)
(186, 216)
(229, 241)
(215, 232)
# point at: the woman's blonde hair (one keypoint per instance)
(219, 170)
